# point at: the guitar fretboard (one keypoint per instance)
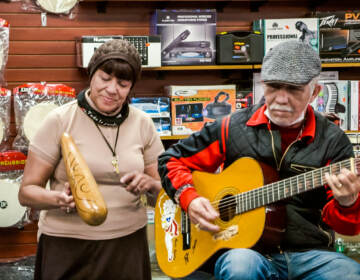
(283, 189)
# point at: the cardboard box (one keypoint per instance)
(339, 45)
(239, 47)
(339, 19)
(279, 30)
(193, 106)
(334, 98)
(339, 36)
(354, 120)
(187, 36)
(163, 126)
(147, 46)
(154, 106)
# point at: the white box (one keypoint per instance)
(300, 29)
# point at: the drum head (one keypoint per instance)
(11, 211)
(57, 6)
(35, 117)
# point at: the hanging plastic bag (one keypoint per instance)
(65, 8)
(32, 102)
(4, 48)
(5, 103)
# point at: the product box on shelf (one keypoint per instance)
(339, 19)
(339, 36)
(354, 106)
(163, 126)
(238, 47)
(187, 36)
(244, 98)
(279, 30)
(193, 106)
(154, 106)
(334, 98)
(147, 46)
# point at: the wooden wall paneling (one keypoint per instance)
(41, 48)
(16, 243)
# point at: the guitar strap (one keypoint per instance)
(224, 133)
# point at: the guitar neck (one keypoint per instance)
(289, 187)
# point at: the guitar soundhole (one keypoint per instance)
(227, 208)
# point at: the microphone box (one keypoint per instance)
(188, 37)
(275, 31)
(239, 47)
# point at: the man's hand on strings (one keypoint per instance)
(202, 214)
(345, 186)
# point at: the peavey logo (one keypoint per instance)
(352, 16)
(329, 21)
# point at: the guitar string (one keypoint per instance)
(253, 198)
(259, 193)
(256, 194)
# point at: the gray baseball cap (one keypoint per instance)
(291, 62)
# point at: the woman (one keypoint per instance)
(120, 145)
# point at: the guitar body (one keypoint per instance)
(180, 254)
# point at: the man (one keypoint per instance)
(287, 134)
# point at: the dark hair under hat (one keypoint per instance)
(291, 62)
(116, 49)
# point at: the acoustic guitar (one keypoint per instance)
(244, 194)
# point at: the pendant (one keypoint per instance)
(115, 164)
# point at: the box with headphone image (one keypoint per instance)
(193, 106)
(187, 36)
(275, 31)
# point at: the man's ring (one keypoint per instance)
(197, 226)
(339, 185)
(68, 210)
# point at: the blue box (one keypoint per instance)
(154, 106)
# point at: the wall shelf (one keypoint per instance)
(174, 137)
(328, 65)
(238, 66)
(198, 67)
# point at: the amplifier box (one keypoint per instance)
(339, 19)
(149, 48)
(339, 45)
(239, 47)
(193, 106)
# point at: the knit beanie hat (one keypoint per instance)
(291, 62)
(116, 49)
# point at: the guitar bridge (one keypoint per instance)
(227, 233)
